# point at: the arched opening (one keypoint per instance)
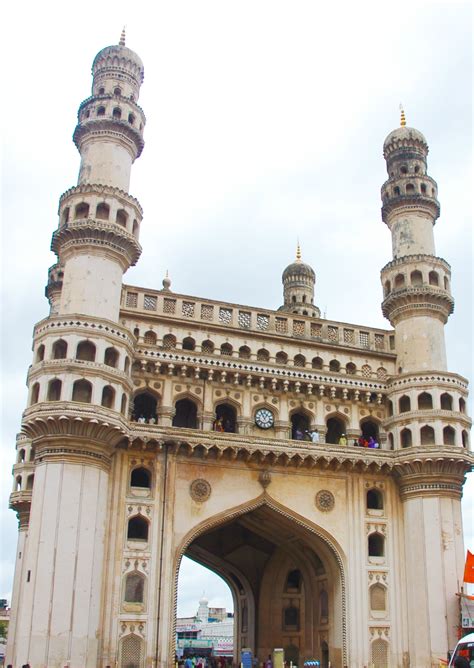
(465, 439)
(374, 499)
(117, 91)
(123, 404)
(102, 211)
(65, 216)
(299, 360)
(131, 119)
(370, 432)
(131, 651)
(207, 347)
(425, 401)
(410, 188)
(40, 353)
(396, 191)
(427, 435)
(446, 402)
(350, 369)
(404, 404)
(121, 218)
(18, 481)
(144, 408)
(59, 350)
(389, 407)
(446, 283)
(391, 444)
(405, 438)
(21, 456)
(185, 414)
(433, 278)
(244, 353)
(140, 477)
(293, 581)
(117, 113)
(137, 528)
(399, 281)
(263, 355)
(416, 278)
(54, 390)
(111, 357)
(85, 351)
(189, 343)
(423, 188)
(334, 366)
(226, 419)
(317, 363)
(35, 394)
(150, 338)
(299, 426)
(462, 405)
(449, 436)
(81, 211)
(226, 349)
(108, 397)
(386, 288)
(376, 544)
(335, 428)
(82, 391)
(169, 341)
(30, 482)
(281, 357)
(136, 228)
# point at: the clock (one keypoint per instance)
(264, 418)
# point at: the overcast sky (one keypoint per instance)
(265, 122)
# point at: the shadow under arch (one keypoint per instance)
(329, 551)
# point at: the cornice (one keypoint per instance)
(79, 367)
(431, 260)
(415, 203)
(447, 379)
(89, 326)
(109, 127)
(410, 300)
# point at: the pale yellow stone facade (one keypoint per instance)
(333, 551)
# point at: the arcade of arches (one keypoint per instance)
(285, 581)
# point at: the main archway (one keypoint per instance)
(286, 576)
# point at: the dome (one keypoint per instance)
(299, 268)
(119, 57)
(404, 137)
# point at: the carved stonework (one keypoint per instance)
(200, 490)
(265, 478)
(325, 500)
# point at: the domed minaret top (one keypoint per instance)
(298, 288)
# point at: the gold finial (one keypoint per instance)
(122, 38)
(403, 120)
(298, 252)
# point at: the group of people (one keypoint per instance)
(203, 662)
(312, 435)
(143, 420)
(222, 425)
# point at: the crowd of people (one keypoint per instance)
(312, 435)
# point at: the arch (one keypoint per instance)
(389, 407)
(117, 91)
(117, 113)
(391, 443)
(126, 364)
(403, 169)
(379, 653)
(281, 357)
(145, 406)
(40, 353)
(263, 355)
(449, 436)
(169, 341)
(123, 404)
(81, 210)
(396, 191)
(291, 618)
(35, 394)
(134, 589)
(85, 351)
(65, 216)
(137, 528)
(399, 281)
(244, 352)
(108, 397)
(111, 357)
(462, 405)
(335, 366)
(376, 544)
(30, 482)
(140, 477)
(226, 418)
(131, 651)
(185, 414)
(226, 349)
(54, 390)
(101, 91)
(370, 429)
(416, 278)
(427, 435)
(433, 278)
(188, 343)
(446, 283)
(465, 438)
(18, 482)
(293, 581)
(299, 360)
(335, 428)
(150, 337)
(374, 498)
(406, 438)
(131, 119)
(82, 391)
(136, 228)
(410, 188)
(102, 211)
(300, 424)
(317, 363)
(121, 217)
(101, 111)
(377, 597)
(386, 288)
(351, 368)
(207, 347)
(21, 458)
(404, 404)
(425, 401)
(446, 402)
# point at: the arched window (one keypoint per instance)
(134, 588)
(377, 597)
(389, 408)
(81, 210)
(446, 402)
(82, 391)
(293, 581)
(403, 169)
(391, 444)
(35, 393)
(150, 338)
(131, 119)
(40, 353)
(323, 606)
(374, 499)
(370, 429)
(85, 351)
(427, 435)
(54, 390)
(366, 370)
(334, 366)
(386, 288)
(108, 396)
(186, 414)
(263, 355)
(226, 349)
(317, 363)
(59, 350)
(299, 426)
(21, 456)
(433, 278)
(30, 482)
(446, 283)
(350, 369)
(425, 401)
(101, 111)
(117, 113)
(101, 91)
(137, 528)
(123, 404)
(226, 418)
(462, 405)
(410, 188)
(405, 438)
(136, 228)
(111, 357)
(169, 341)
(404, 404)
(207, 347)
(449, 436)
(121, 218)
(144, 407)
(379, 653)
(291, 618)
(396, 191)
(399, 281)
(140, 477)
(102, 211)
(293, 299)
(131, 652)
(244, 353)
(126, 364)
(416, 278)
(65, 217)
(299, 360)
(18, 483)
(376, 544)
(335, 428)
(117, 91)
(189, 343)
(465, 439)
(281, 357)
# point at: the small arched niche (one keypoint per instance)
(82, 391)
(335, 428)
(85, 351)
(145, 407)
(376, 544)
(137, 528)
(185, 414)
(140, 477)
(374, 499)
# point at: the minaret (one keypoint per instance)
(298, 288)
(416, 283)
(99, 222)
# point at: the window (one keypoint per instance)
(410, 188)
(189, 343)
(350, 369)
(54, 390)
(144, 407)
(299, 426)
(85, 351)
(379, 652)
(334, 366)
(169, 341)
(226, 418)
(131, 119)
(462, 405)
(21, 456)
(416, 278)
(386, 288)
(117, 113)
(427, 435)
(281, 357)
(131, 652)
(35, 393)
(317, 363)
(335, 428)
(126, 366)
(323, 606)
(111, 357)
(134, 588)
(374, 499)
(140, 477)
(121, 218)
(101, 111)
(433, 278)
(376, 545)
(404, 404)
(117, 91)
(40, 353)
(263, 355)
(81, 210)
(207, 347)
(102, 211)
(446, 402)
(108, 397)
(293, 581)
(82, 391)
(399, 281)
(150, 338)
(405, 438)
(185, 414)
(299, 360)
(425, 401)
(449, 436)
(226, 349)
(244, 352)
(137, 528)
(465, 439)
(291, 619)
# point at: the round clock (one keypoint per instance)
(264, 418)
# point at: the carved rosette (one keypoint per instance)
(325, 500)
(200, 490)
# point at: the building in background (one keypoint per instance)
(316, 466)
(209, 633)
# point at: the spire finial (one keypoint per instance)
(298, 251)
(122, 38)
(403, 120)
(166, 281)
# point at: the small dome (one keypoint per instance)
(106, 58)
(404, 137)
(203, 601)
(299, 269)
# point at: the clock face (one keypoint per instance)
(264, 418)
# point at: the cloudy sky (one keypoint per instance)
(265, 122)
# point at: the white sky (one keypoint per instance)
(265, 121)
